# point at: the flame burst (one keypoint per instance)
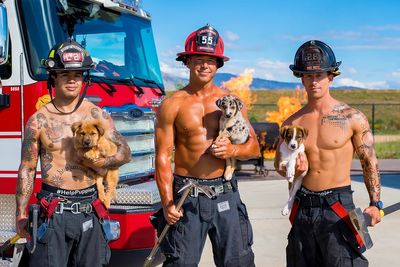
(287, 106)
(240, 86)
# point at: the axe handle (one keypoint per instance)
(164, 232)
(9, 243)
(391, 208)
(385, 211)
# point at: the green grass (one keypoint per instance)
(388, 150)
(386, 108)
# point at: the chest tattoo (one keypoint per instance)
(338, 117)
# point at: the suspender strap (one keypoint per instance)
(100, 209)
(49, 207)
(293, 212)
(344, 215)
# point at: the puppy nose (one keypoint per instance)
(86, 143)
(293, 146)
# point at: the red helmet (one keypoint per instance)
(204, 41)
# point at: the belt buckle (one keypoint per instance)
(218, 189)
(75, 208)
(88, 208)
(194, 192)
(60, 208)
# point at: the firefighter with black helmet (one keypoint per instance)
(69, 231)
(188, 121)
(322, 233)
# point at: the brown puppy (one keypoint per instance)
(90, 142)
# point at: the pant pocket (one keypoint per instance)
(43, 254)
(245, 226)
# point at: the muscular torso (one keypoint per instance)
(328, 147)
(196, 126)
(59, 163)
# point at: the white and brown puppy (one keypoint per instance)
(232, 125)
(293, 138)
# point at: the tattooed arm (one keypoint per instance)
(123, 154)
(26, 173)
(363, 142)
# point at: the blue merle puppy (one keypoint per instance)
(233, 126)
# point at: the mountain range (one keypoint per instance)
(172, 82)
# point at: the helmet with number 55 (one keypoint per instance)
(204, 41)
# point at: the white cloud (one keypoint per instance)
(179, 71)
(269, 76)
(231, 36)
(366, 85)
(396, 73)
(351, 70)
(271, 64)
(387, 27)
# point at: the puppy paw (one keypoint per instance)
(107, 203)
(285, 211)
(290, 179)
(290, 174)
(228, 176)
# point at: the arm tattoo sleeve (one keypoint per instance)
(364, 146)
(123, 154)
(27, 169)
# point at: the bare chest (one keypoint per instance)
(198, 118)
(327, 132)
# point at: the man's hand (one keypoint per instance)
(171, 215)
(374, 213)
(95, 164)
(301, 164)
(223, 148)
(20, 226)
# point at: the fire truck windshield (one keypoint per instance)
(121, 44)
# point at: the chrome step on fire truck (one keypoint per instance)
(126, 83)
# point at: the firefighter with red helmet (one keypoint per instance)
(189, 122)
(69, 231)
(322, 233)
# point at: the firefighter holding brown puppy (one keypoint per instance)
(322, 233)
(69, 231)
(189, 122)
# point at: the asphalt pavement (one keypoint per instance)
(265, 197)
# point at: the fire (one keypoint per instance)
(240, 86)
(287, 106)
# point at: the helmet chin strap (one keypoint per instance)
(81, 97)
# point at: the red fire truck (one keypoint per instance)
(126, 83)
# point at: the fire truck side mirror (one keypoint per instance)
(4, 98)
(3, 34)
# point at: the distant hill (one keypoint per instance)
(173, 82)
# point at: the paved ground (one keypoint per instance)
(265, 197)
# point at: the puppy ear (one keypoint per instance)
(99, 128)
(75, 126)
(305, 131)
(283, 130)
(239, 103)
(219, 102)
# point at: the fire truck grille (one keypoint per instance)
(145, 193)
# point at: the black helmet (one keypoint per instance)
(68, 55)
(314, 56)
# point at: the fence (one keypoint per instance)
(384, 118)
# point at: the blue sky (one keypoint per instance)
(264, 35)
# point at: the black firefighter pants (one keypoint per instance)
(319, 238)
(224, 219)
